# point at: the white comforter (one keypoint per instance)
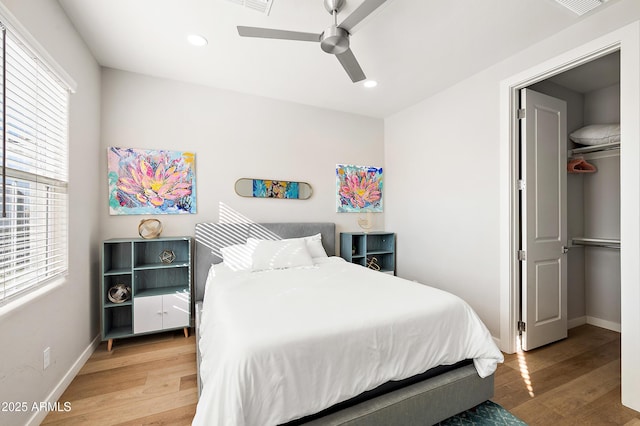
(279, 345)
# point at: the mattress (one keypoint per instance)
(279, 345)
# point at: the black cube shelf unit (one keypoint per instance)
(369, 249)
(160, 287)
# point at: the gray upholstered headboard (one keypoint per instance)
(210, 237)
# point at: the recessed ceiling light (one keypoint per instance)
(370, 83)
(197, 40)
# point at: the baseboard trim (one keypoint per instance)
(496, 341)
(576, 322)
(66, 380)
(609, 325)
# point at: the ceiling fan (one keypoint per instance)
(333, 40)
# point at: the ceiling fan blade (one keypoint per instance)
(279, 34)
(351, 66)
(364, 10)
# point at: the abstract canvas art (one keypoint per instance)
(275, 189)
(359, 189)
(151, 181)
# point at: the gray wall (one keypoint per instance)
(65, 317)
(602, 217)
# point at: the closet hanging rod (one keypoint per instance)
(596, 242)
(594, 148)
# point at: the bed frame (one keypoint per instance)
(425, 402)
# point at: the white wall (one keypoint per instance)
(65, 318)
(442, 186)
(447, 148)
(234, 136)
(444, 155)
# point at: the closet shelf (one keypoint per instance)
(595, 148)
(596, 242)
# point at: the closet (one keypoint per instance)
(592, 96)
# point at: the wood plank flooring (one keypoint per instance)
(572, 382)
(146, 380)
(151, 380)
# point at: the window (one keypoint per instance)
(34, 107)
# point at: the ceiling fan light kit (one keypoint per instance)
(334, 40)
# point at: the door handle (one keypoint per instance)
(565, 249)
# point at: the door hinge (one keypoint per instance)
(522, 326)
(521, 185)
(522, 255)
(521, 113)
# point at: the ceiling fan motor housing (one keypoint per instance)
(334, 40)
(332, 5)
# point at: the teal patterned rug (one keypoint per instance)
(486, 414)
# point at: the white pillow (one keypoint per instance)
(279, 254)
(314, 245)
(597, 134)
(238, 256)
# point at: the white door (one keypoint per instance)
(543, 219)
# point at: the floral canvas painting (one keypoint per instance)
(275, 189)
(359, 188)
(151, 181)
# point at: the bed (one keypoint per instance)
(277, 346)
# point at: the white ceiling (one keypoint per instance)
(413, 48)
(594, 75)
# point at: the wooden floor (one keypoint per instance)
(151, 380)
(572, 382)
(147, 380)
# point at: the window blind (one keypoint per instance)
(34, 119)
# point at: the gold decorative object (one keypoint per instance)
(119, 293)
(372, 263)
(167, 256)
(365, 222)
(150, 228)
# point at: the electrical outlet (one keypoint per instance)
(46, 356)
